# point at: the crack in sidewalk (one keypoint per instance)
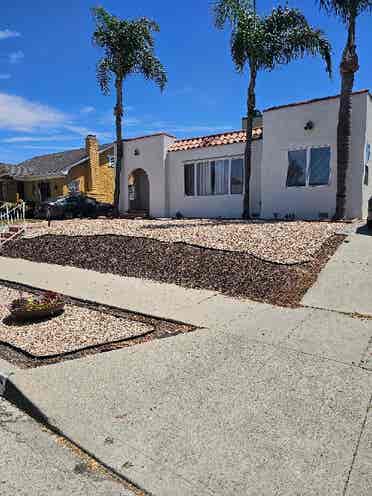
(369, 406)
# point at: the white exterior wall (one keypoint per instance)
(284, 131)
(226, 206)
(367, 189)
(151, 158)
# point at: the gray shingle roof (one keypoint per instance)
(4, 169)
(52, 165)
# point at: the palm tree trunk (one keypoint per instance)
(349, 66)
(251, 105)
(119, 142)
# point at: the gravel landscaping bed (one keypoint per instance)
(277, 241)
(231, 273)
(76, 328)
(155, 329)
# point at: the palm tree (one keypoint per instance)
(128, 49)
(263, 43)
(348, 11)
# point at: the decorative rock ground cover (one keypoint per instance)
(76, 328)
(232, 273)
(281, 242)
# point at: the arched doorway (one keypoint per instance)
(139, 191)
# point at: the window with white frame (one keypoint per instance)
(111, 160)
(74, 186)
(309, 167)
(214, 177)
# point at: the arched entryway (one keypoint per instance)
(139, 191)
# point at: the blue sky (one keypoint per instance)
(49, 97)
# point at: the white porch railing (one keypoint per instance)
(9, 216)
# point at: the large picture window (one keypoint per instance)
(309, 167)
(214, 177)
(237, 176)
(189, 179)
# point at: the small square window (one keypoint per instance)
(319, 171)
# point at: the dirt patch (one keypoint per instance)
(235, 274)
(24, 358)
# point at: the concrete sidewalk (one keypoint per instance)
(261, 401)
(344, 284)
(35, 462)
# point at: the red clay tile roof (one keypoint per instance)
(213, 140)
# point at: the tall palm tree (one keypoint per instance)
(128, 47)
(348, 11)
(263, 43)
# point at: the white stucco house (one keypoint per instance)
(293, 168)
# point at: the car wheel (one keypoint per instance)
(68, 215)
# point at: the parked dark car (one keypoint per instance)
(71, 206)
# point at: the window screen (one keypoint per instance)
(236, 176)
(319, 170)
(189, 180)
(296, 168)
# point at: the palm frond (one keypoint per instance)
(345, 9)
(229, 10)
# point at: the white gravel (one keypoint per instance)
(283, 242)
(75, 329)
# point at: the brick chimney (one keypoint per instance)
(91, 147)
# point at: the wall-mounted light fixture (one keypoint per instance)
(309, 126)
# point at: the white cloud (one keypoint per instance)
(87, 110)
(84, 131)
(16, 57)
(192, 128)
(5, 76)
(7, 33)
(19, 114)
(40, 139)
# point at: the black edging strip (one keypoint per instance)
(90, 303)
(66, 354)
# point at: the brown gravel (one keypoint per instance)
(76, 328)
(281, 242)
(231, 273)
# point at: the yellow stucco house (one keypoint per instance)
(89, 170)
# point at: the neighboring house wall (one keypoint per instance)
(367, 172)
(284, 131)
(147, 153)
(106, 186)
(103, 189)
(8, 190)
(227, 206)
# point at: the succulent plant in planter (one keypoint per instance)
(47, 304)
